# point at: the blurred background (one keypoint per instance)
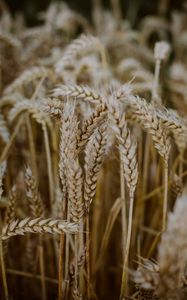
(133, 10)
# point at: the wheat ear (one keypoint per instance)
(84, 43)
(75, 184)
(10, 212)
(33, 194)
(94, 120)
(94, 154)
(38, 225)
(82, 92)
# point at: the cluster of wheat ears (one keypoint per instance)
(93, 138)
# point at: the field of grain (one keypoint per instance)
(93, 161)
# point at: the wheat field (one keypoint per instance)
(93, 162)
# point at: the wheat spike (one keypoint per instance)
(10, 212)
(32, 107)
(37, 225)
(174, 123)
(94, 155)
(176, 187)
(53, 107)
(127, 150)
(33, 194)
(26, 77)
(146, 114)
(84, 43)
(94, 120)
(75, 184)
(85, 93)
(68, 142)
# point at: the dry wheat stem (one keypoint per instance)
(60, 268)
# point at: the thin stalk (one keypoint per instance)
(3, 272)
(156, 79)
(88, 257)
(97, 14)
(165, 203)
(42, 271)
(114, 212)
(66, 274)
(181, 163)
(60, 268)
(116, 9)
(3, 269)
(81, 250)
(12, 138)
(31, 146)
(123, 209)
(76, 260)
(127, 249)
(30, 275)
(96, 217)
(49, 163)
